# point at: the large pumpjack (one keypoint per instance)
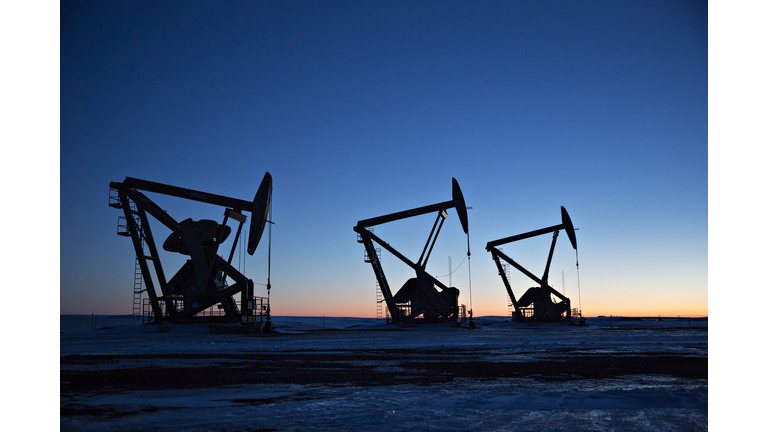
(536, 304)
(419, 300)
(206, 281)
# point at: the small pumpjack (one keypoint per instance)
(536, 304)
(419, 300)
(201, 283)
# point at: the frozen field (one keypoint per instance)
(360, 374)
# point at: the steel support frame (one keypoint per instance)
(204, 261)
(543, 282)
(367, 238)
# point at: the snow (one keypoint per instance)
(631, 402)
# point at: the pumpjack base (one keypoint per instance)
(255, 318)
(536, 307)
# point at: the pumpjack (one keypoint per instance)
(206, 279)
(419, 300)
(536, 304)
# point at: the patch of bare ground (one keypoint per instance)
(379, 367)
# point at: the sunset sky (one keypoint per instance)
(365, 108)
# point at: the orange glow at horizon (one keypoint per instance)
(369, 311)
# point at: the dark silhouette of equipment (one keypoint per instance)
(536, 304)
(202, 282)
(418, 300)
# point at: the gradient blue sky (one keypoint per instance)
(362, 108)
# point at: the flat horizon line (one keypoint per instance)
(481, 316)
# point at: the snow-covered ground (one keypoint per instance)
(360, 374)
